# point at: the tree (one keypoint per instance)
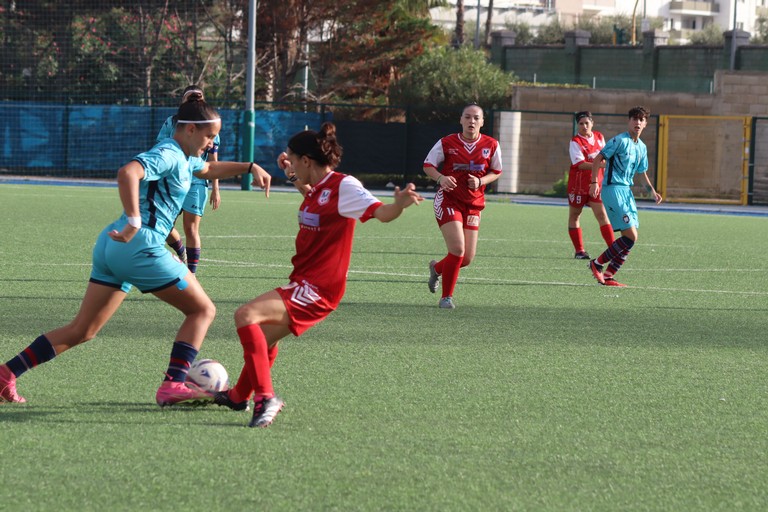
(458, 39)
(552, 33)
(761, 29)
(447, 78)
(488, 24)
(711, 35)
(523, 33)
(368, 45)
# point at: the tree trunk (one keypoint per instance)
(459, 38)
(489, 24)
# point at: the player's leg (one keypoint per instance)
(606, 230)
(175, 242)
(448, 267)
(188, 296)
(261, 324)
(574, 232)
(622, 246)
(192, 234)
(622, 213)
(99, 304)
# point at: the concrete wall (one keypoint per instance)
(546, 126)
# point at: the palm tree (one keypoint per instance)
(459, 38)
(488, 23)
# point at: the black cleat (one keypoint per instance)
(582, 255)
(434, 277)
(222, 398)
(265, 411)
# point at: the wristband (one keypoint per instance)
(134, 222)
(593, 183)
(439, 178)
(250, 168)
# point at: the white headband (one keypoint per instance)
(193, 91)
(181, 121)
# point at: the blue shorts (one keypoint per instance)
(144, 262)
(196, 199)
(620, 206)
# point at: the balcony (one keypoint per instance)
(693, 8)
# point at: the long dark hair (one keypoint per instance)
(321, 146)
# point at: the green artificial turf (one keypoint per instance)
(542, 391)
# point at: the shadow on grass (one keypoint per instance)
(117, 413)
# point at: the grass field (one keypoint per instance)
(542, 391)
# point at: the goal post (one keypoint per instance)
(704, 159)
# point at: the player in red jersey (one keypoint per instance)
(584, 146)
(463, 164)
(333, 202)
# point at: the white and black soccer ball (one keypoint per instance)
(209, 374)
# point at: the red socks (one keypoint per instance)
(607, 232)
(576, 238)
(256, 376)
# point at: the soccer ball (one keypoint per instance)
(210, 375)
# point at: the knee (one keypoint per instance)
(466, 260)
(243, 316)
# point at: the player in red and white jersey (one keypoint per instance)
(584, 146)
(333, 202)
(463, 164)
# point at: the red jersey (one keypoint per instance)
(326, 229)
(583, 150)
(454, 156)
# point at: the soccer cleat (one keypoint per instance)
(181, 393)
(8, 387)
(609, 281)
(223, 398)
(434, 277)
(447, 303)
(581, 255)
(265, 410)
(597, 271)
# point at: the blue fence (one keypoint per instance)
(95, 140)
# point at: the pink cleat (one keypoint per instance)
(8, 387)
(180, 393)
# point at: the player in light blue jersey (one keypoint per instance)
(624, 156)
(197, 197)
(131, 252)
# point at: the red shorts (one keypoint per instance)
(582, 200)
(446, 211)
(578, 189)
(305, 306)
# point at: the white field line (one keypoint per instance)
(421, 276)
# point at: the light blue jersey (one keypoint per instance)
(167, 130)
(623, 159)
(143, 261)
(167, 178)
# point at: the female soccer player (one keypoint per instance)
(623, 156)
(584, 146)
(131, 252)
(463, 164)
(197, 197)
(333, 202)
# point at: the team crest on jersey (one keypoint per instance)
(325, 195)
(486, 152)
(625, 218)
